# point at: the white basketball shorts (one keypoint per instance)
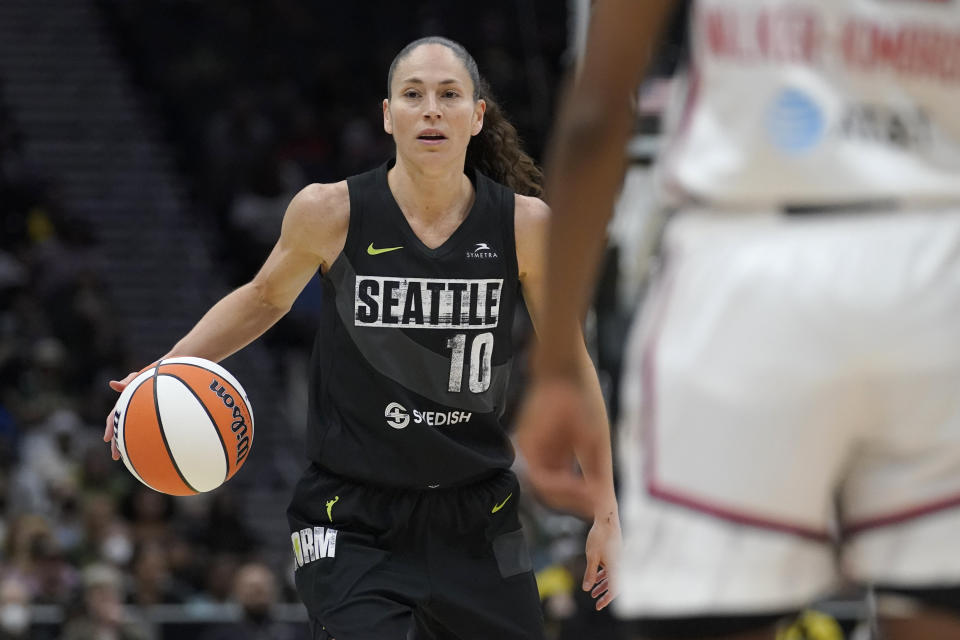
(793, 382)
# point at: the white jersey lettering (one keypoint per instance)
(427, 303)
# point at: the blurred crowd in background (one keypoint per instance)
(260, 99)
(255, 100)
(77, 529)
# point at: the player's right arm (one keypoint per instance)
(312, 236)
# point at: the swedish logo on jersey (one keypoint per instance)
(398, 417)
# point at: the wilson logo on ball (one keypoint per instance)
(239, 425)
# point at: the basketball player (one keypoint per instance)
(407, 515)
(797, 356)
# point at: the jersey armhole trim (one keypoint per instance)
(509, 230)
(356, 187)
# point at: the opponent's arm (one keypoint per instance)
(585, 165)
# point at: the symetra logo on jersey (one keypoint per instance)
(427, 303)
(481, 250)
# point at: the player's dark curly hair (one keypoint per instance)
(496, 151)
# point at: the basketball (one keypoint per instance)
(184, 426)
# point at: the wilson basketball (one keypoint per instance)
(183, 426)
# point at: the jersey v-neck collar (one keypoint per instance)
(454, 239)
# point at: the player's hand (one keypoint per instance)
(552, 422)
(603, 552)
(118, 386)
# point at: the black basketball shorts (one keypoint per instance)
(384, 564)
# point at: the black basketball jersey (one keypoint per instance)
(412, 358)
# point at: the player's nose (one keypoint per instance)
(431, 107)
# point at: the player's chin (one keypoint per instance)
(445, 149)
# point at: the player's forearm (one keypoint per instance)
(594, 451)
(235, 321)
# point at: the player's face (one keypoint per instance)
(431, 112)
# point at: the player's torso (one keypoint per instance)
(819, 101)
(416, 349)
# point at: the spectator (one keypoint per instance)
(103, 616)
(34, 558)
(152, 581)
(225, 529)
(106, 538)
(40, 385)
(255, 590)
(150, 514)
(220, 577)
(48, 455)
(14, 610)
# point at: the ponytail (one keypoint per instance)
(496, 151)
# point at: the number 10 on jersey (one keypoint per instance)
(481, 357)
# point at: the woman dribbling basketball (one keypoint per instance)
(407, 515)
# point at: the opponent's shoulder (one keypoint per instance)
(530, 219)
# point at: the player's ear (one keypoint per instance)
(478, 111)
(387, 124)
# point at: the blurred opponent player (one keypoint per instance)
(406, 519)
(795, 370)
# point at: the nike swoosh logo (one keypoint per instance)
(376, 252)
(500, 506)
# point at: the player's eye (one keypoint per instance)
(450, 94)
(410, 93)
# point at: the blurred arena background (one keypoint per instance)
(148, 149)
(147, 152)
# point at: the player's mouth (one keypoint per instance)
(431, 136)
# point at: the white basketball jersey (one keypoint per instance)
(806, 102)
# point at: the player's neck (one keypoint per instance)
(430, 195)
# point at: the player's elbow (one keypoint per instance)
(268, 302)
